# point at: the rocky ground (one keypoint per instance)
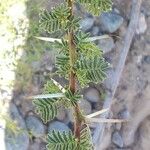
(131, 101)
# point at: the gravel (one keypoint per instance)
(20, 141)
(110, 21)
(106, 45)
(87, 23)
(35, 126)
(117, 139)
(58, 126)
(92, 95)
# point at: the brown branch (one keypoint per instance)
(72, 76)
(100, 129)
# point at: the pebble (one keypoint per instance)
(70, 115)
(61, 115)
(26, 106)
(87, 23)
(58, 126)
(139, 60)
(110, 78)
(95, 31)
(92, 95)
(124, 114)
(106, 45)
(85, 106)
(141, 84)
(35, 126)
(18, 141)
(110, 21)
(34, 146)
(117, 139)
(147, 59)
(37, 144)
(142, 25)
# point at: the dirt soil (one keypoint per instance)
(133, 93)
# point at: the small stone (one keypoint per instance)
(142, 25)
(85, 106)
(124, 114)
(58, 126)
(117, 139)
(34, 146)
(18, 141)
(70, 115)
(95, 31)
(92, 95)
(87, 23)
(110, 21)
(146, 59)
(139, 60)
(110, 78)
(42, 146)
(37, 144)
(106, 44)
(97, 106)
(35, 126)
(141, 84)
(61, 115)
(26, 106)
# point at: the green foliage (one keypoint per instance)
(72, 98)
(50, 87)
(46, 108)
(96, 6)
(57, 19)
(62, 46)
(73, 23)
(46, 105)
(61, 141)
(62, 61)
(91, 70)
(67, 141)
(77, 55)
(84, 47)
(85, 139)
(63, 66)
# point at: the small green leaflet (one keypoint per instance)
(61, 141)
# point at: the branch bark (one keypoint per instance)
(100, 129)
(72, 76)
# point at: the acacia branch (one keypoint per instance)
(72, 76)
(100, 129)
